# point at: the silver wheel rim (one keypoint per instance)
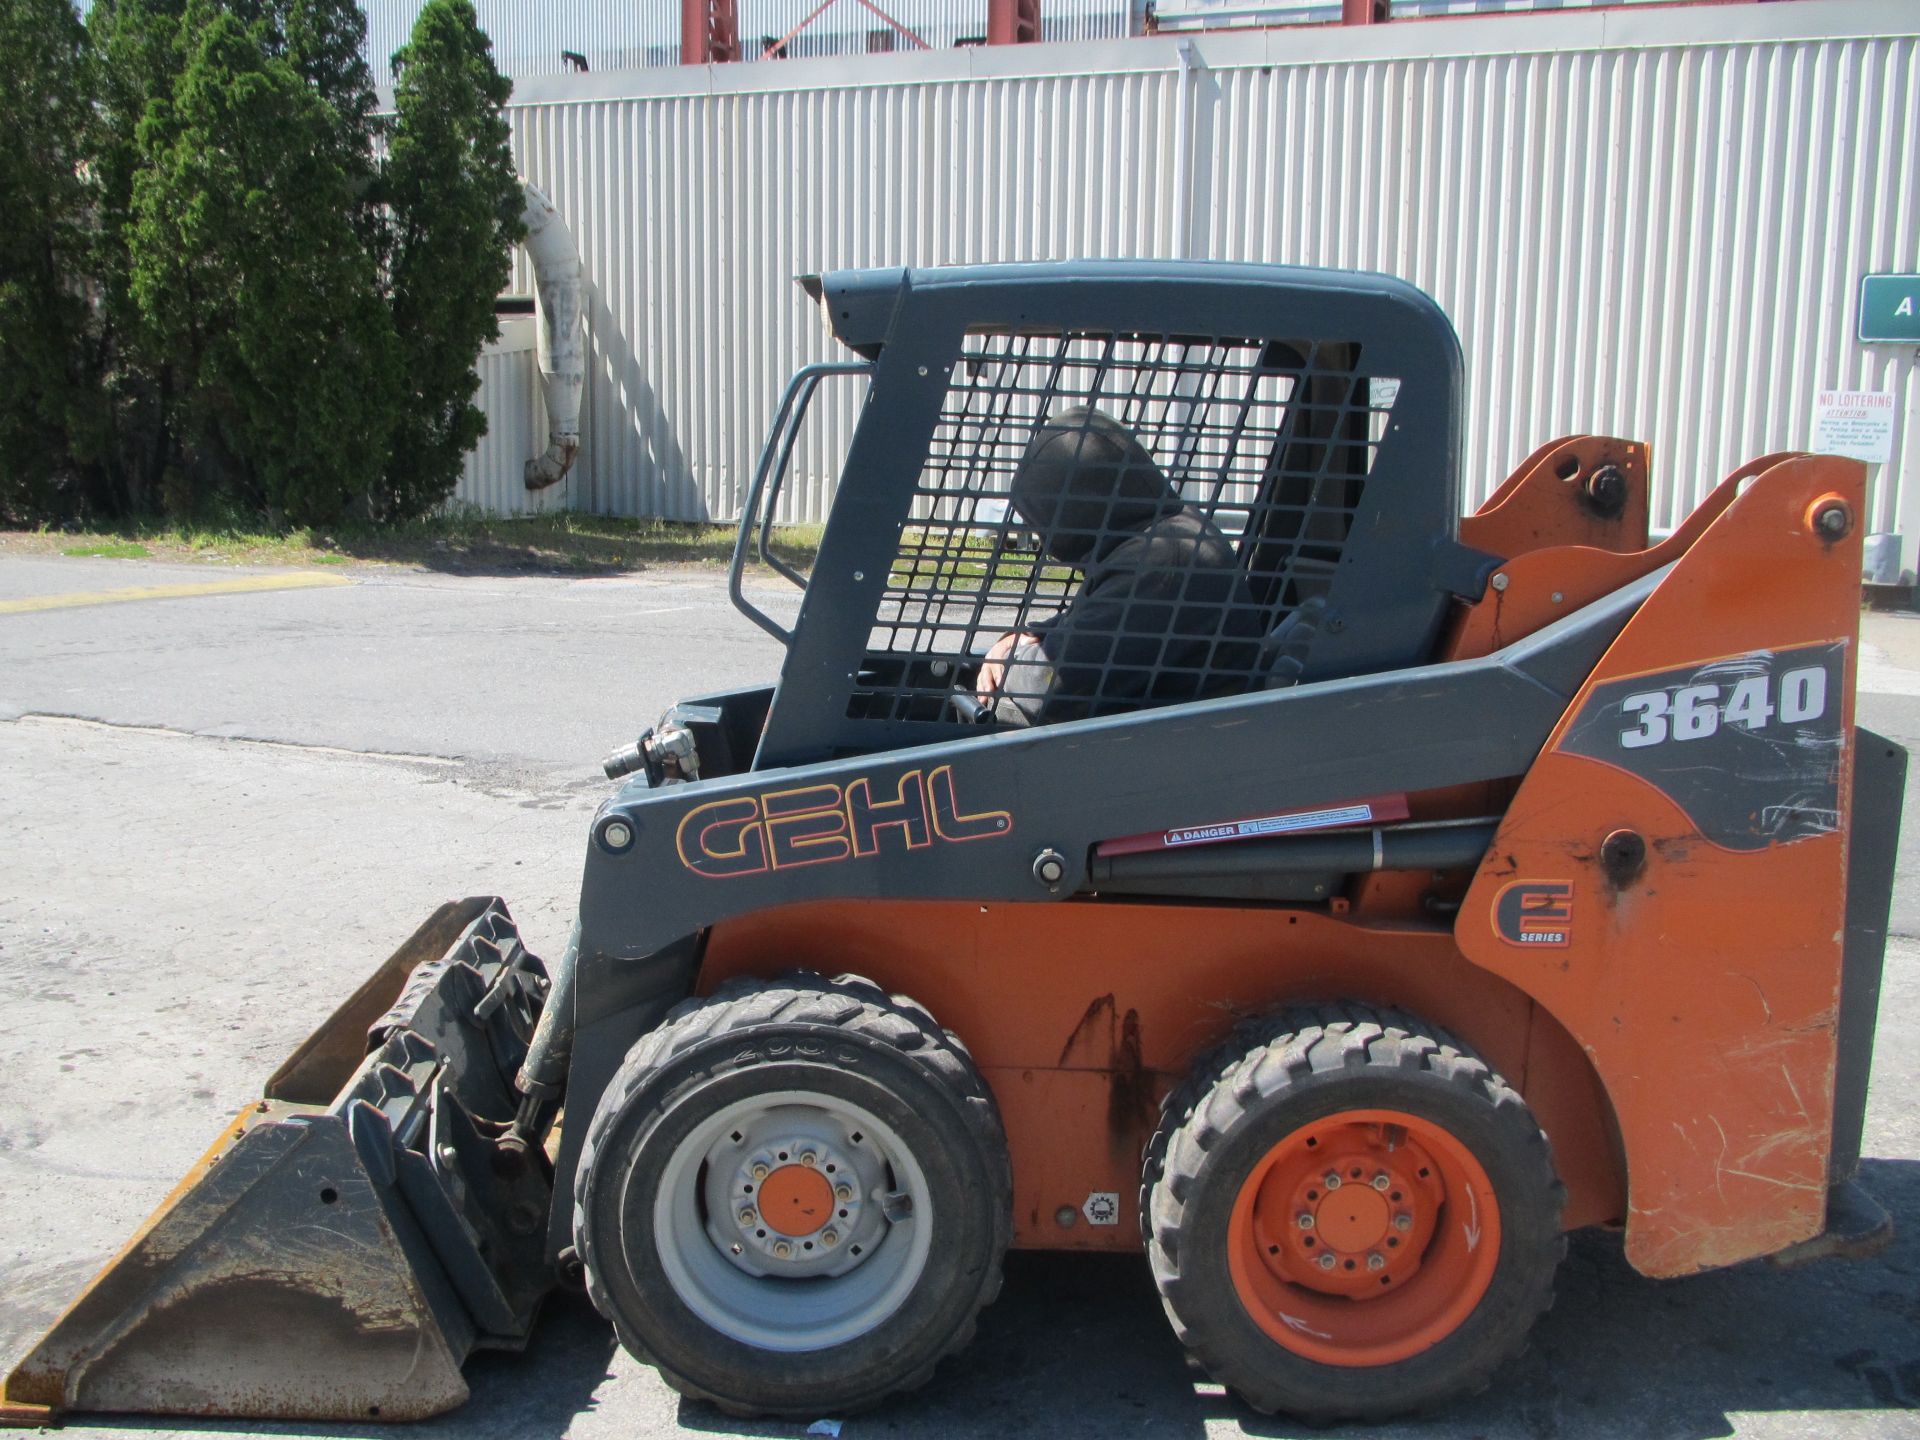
(786, 1288)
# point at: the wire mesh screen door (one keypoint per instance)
(1108, 521)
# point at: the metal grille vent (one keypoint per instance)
(1110, 521)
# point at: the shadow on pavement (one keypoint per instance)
(1078, 1346)
(513, 548)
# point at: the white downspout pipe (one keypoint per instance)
(1190, 64)
(560, 287)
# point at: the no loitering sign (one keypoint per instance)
(1855, 423)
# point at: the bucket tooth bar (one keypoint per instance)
(337, 1261)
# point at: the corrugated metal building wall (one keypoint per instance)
(633, 34)
(1648, 222)
(516, 431)
(630, 34)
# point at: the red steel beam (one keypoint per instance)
(774, 50)
(709, 32)
(897, 26)
(1013, 22)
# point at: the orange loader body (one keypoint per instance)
(1701, 1066)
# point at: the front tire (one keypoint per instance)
(1356, 1218)
(794, 1197)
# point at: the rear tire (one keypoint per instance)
(1356, 1219)
(794, 1197)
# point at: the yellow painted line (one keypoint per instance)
(248, 584)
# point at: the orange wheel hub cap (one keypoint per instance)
(796, 1200)
(1364, 1238)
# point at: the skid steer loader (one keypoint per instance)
(1246, 857)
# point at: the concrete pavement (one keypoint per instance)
(522, 671)
(221, 811)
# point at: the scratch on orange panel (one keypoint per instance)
(1760, 995)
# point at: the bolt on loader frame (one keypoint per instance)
(1246, 857)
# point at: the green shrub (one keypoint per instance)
(252, 279)
(51, 416)
(456, 205)
(213, 297)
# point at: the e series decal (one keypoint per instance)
(1749, 746)
(825, 824)
(1534, 913)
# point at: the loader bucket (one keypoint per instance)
(352, 1236)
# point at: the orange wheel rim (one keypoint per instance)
(796, 1200)
(1364, 1238)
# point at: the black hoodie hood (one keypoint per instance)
(1086, 485)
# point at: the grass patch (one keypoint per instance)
(562, 543)
(942, 562)
(110, 550)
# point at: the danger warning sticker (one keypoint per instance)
(1286, 822)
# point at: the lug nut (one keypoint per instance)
(807, 1157)
(1403, 1222)
(782, 1251)
(747, 1217)
(1327, 1262)
(829, 1237)
(843, 1193)
(1376, 1262)
(1332, 1180)
(759, 1172)
(1306, 1222)
(1380, 1181)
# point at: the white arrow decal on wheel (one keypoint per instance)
(1294, 1322)
(1473, 1225)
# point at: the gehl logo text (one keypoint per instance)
(825, 824)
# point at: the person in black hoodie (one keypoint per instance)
(1163, 613)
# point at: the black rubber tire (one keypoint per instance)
(1179, 1102)
(844, 1037)
(1314, 1062)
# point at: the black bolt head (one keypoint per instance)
(1606, 491)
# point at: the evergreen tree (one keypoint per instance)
(455, 203)
(135, 44)
(252, 278)
(211, 289)
(322, 39)
(50, 413)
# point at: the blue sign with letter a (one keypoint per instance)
(1890, 309)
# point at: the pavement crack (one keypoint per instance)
(168, 732)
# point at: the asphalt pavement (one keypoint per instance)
(222, 807)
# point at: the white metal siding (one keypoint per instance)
(494, 478)
(631, 34)
(695, 213)
(1649, 223)
(1657, 241)
(528, 38)
(1660, 243)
